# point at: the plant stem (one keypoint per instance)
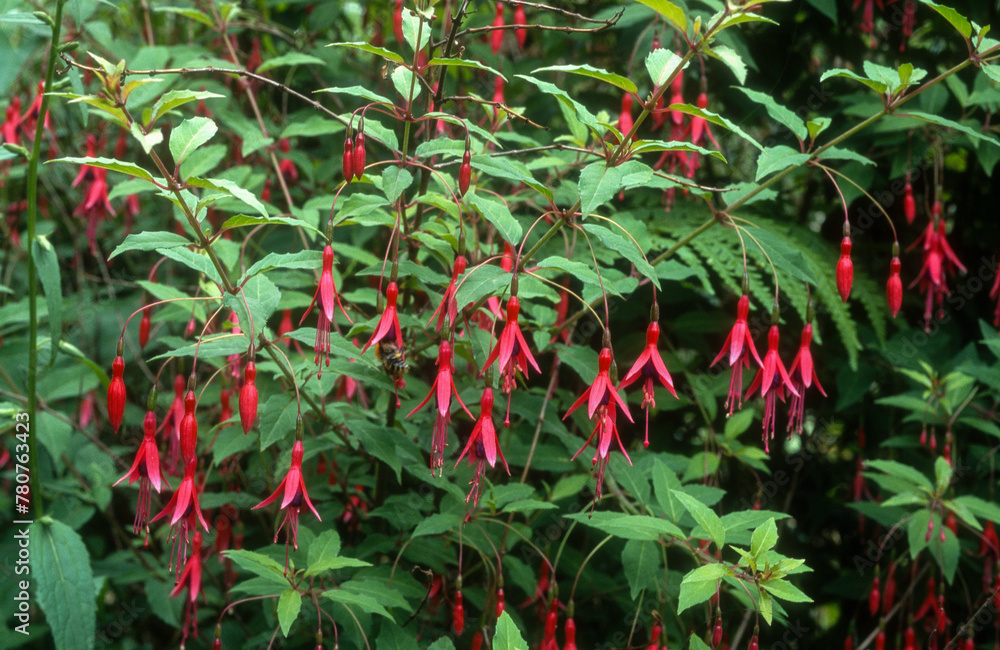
(32, 215)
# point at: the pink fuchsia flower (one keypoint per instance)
(190, 578)
(483, 445)
(146, 470)
(12, 120)
(739, 345)
(649, 366)
(512, 352)
(802, 373)
(286, 166)
(442, 389)
(184, 501)
(449, 306)
(939, 262)
(329, 300)
(602, 391)
(772, 380)
(388, 325)
(293, 493)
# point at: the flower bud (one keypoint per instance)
(248, 397)
(116, 394)
(465, 173)
(894, 287)
(144, 329)
(348, 159)
(845, 269)
(358, 161)
(458, 614)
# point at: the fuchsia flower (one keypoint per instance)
(512, 351)
(12, 119)
(172, 424)
(449, 306)
(939, 261)
(442, 389)
(602, 398)
(483, 444)
(96, 205)
(292, 490)
(146, 470)
(507, 264)
(329, 300)
(867, 16)
(772, 379)
(649, 366)
(739, 343)
(802, 373)
(286, 166)
(388, 325)
(184, 510)
(190, 578)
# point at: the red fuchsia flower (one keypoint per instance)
(496, 36)
(498, 97)
(625, 121)
(521, 33)
(30, 117)
(603, 400)
(397, 22)
(772, 379)
(867, 17)
(909, 20)
(458, 613)
(359, 153)
(803, 374)
(845, 267)
(293, 493)
(894, 286)
(939, 261)
(329, 300)
(248, 397)
(12, 120)
(449, 306)
(512, 352)
(116, 391)
(739, 345)
(570, 632)
(226, 405)
(189, 429)
(464, 172)
(146, 470)
(172, 424)
(190, 579)
(95, 205)
(909, 203)
(677, 96)
(286, 166)
(185, 512)
(507, 264)
(483, 445)
(389, 331)
(442, 389)
(348, 159)
(649, 366)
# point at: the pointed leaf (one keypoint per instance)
(289, 604)
(594, 73)
(189, 135)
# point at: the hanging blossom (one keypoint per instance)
(146, 470)
(172, 426)
(329, 300)
(802, 373)
(388, 330)
(939, 262)
(190, 578)
(649, 366)
(483, 445)
(95, 205)
(442, 389)
(603, 401)
(185, 513)
(512, 351)
(449, 305)
(739, 345)
(772, 379)
(293, 493)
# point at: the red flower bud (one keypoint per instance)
(144, 329)
(458, 614)
(397, 22)
(500, 603)
(496, 36)
(358, 161)
(753, 643)
(845, 269)
(880, 640)
(189, 429)
(465, 173)
(248, 397)
(520, 19)
(348, 160)
(894, 288)
(930, 530)
(909, 205)
(874, 596)
(116, 393)
(570, 631)
(717, 633)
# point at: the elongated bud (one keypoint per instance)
(880, 640)
(348, 159)
(717, 632)
(894, 287)
(845, 268)
(874, 597)
(570, 632)
(458, 614)
(520, 18)
(930, 530)
(189, 429)
(116, 393)
(500, 603)
(909, 204)
(248, 397)
(465, 173)
(358, 161)
(496, 36)
(144, 329)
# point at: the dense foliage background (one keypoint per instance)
(191, 171)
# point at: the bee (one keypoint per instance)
(391, 357)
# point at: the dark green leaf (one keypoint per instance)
(63, 582)
(47, 267)
(111, 164)
(289, 604)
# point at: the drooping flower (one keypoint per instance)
(95, 205)
(739, 345)
(802, 373)
(521, 33)
(496, 36)
(189, 429)
(867, 17)
(116, 392)
(293, 493)
(939, 262)
(146, 470)
(190, 579)
(845, 267)
(512, 352)
(894, 286)
(287, 166)
(649, 366)
(909, 203)
(772, 379)
(329, 300)
(12, 120)
(185, 513)
(172, 425)
(442, 389)
(625, 121)
(449, 306)
(388, 325)
(248, 397)
(507, 264)
(483, 445)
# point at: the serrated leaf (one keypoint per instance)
(289, 605)
(951, 124)
(365, 47)
(357, 91)
(242, 220)
(594, 73)
(110, 164)
(189, 135)
(732, 60)
(662, 64)
(626, 247)
(258, 564)
(277, 419)
(695, 593)
(362, 601)
(479, 282)
(900, 471)
(465, 63)
(498, 214)
(702, 514)
(404, 81)
(310, 259)
(670, 11)
(957, 20)
(641, 565)
(790, 261)
(230, 188)
(175, 98)
(763, 539)
(507, 636)
(777, 158)
(416, 31)
(63, 583)
(848, 74)
(146, 140)
(395, 181)
(192, 260)
(289, 59)
(639, 527)
(715, 118)
(778, 113)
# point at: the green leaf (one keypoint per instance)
(775, 159)
(975, 134)
(507, 636)
(195, 261)
(258, 564)
(189, 135)
(289, 604)
(715, 118)
(147, 140)
(641, 564)
(481, 281)
(957, 20)
(885, 76)
(497, 213)
(311, 259)
(325, 546)
(63, 582)
(47, 268)
(364, 602)
(626, 247)
(711, 572)
(365, 47)
(465, 63)
(942, 475)
(880, 88)
(764, 538)
(416, 31)
(173, 99)
(695, 642)
(594, 73)
(403, 81)
(695, 593)
(357, 91)
(639, 527)
(242, 220)
(395, 181)
(784, 258)
(732, 60)
(903, 472)
(662, 64)
(766, 605)
(704, 516)
(229, 188)
(670, 11)
(436, 524)
(110, 164)
(778, 113)
(277, 419)
(292, 58)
